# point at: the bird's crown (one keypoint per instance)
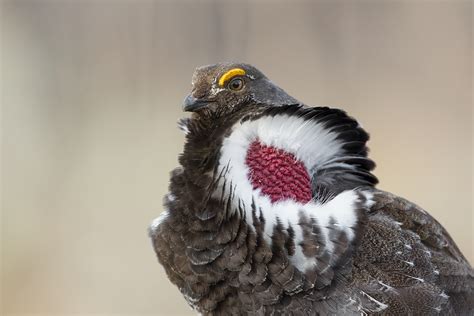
(224, 87)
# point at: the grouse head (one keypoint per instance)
(224, 88)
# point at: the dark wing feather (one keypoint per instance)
(408, 261)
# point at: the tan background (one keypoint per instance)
(91, 91)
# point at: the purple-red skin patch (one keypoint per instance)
(278, 174)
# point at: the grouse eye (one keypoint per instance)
(236, 84)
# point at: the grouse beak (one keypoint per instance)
(192, 104)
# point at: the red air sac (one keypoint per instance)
(278, 173)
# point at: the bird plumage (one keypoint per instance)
(231, 248)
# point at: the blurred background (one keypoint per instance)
(92, 90)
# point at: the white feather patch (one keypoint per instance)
(157, 222)
(310, 143)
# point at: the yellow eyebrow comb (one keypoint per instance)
(230, 74)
